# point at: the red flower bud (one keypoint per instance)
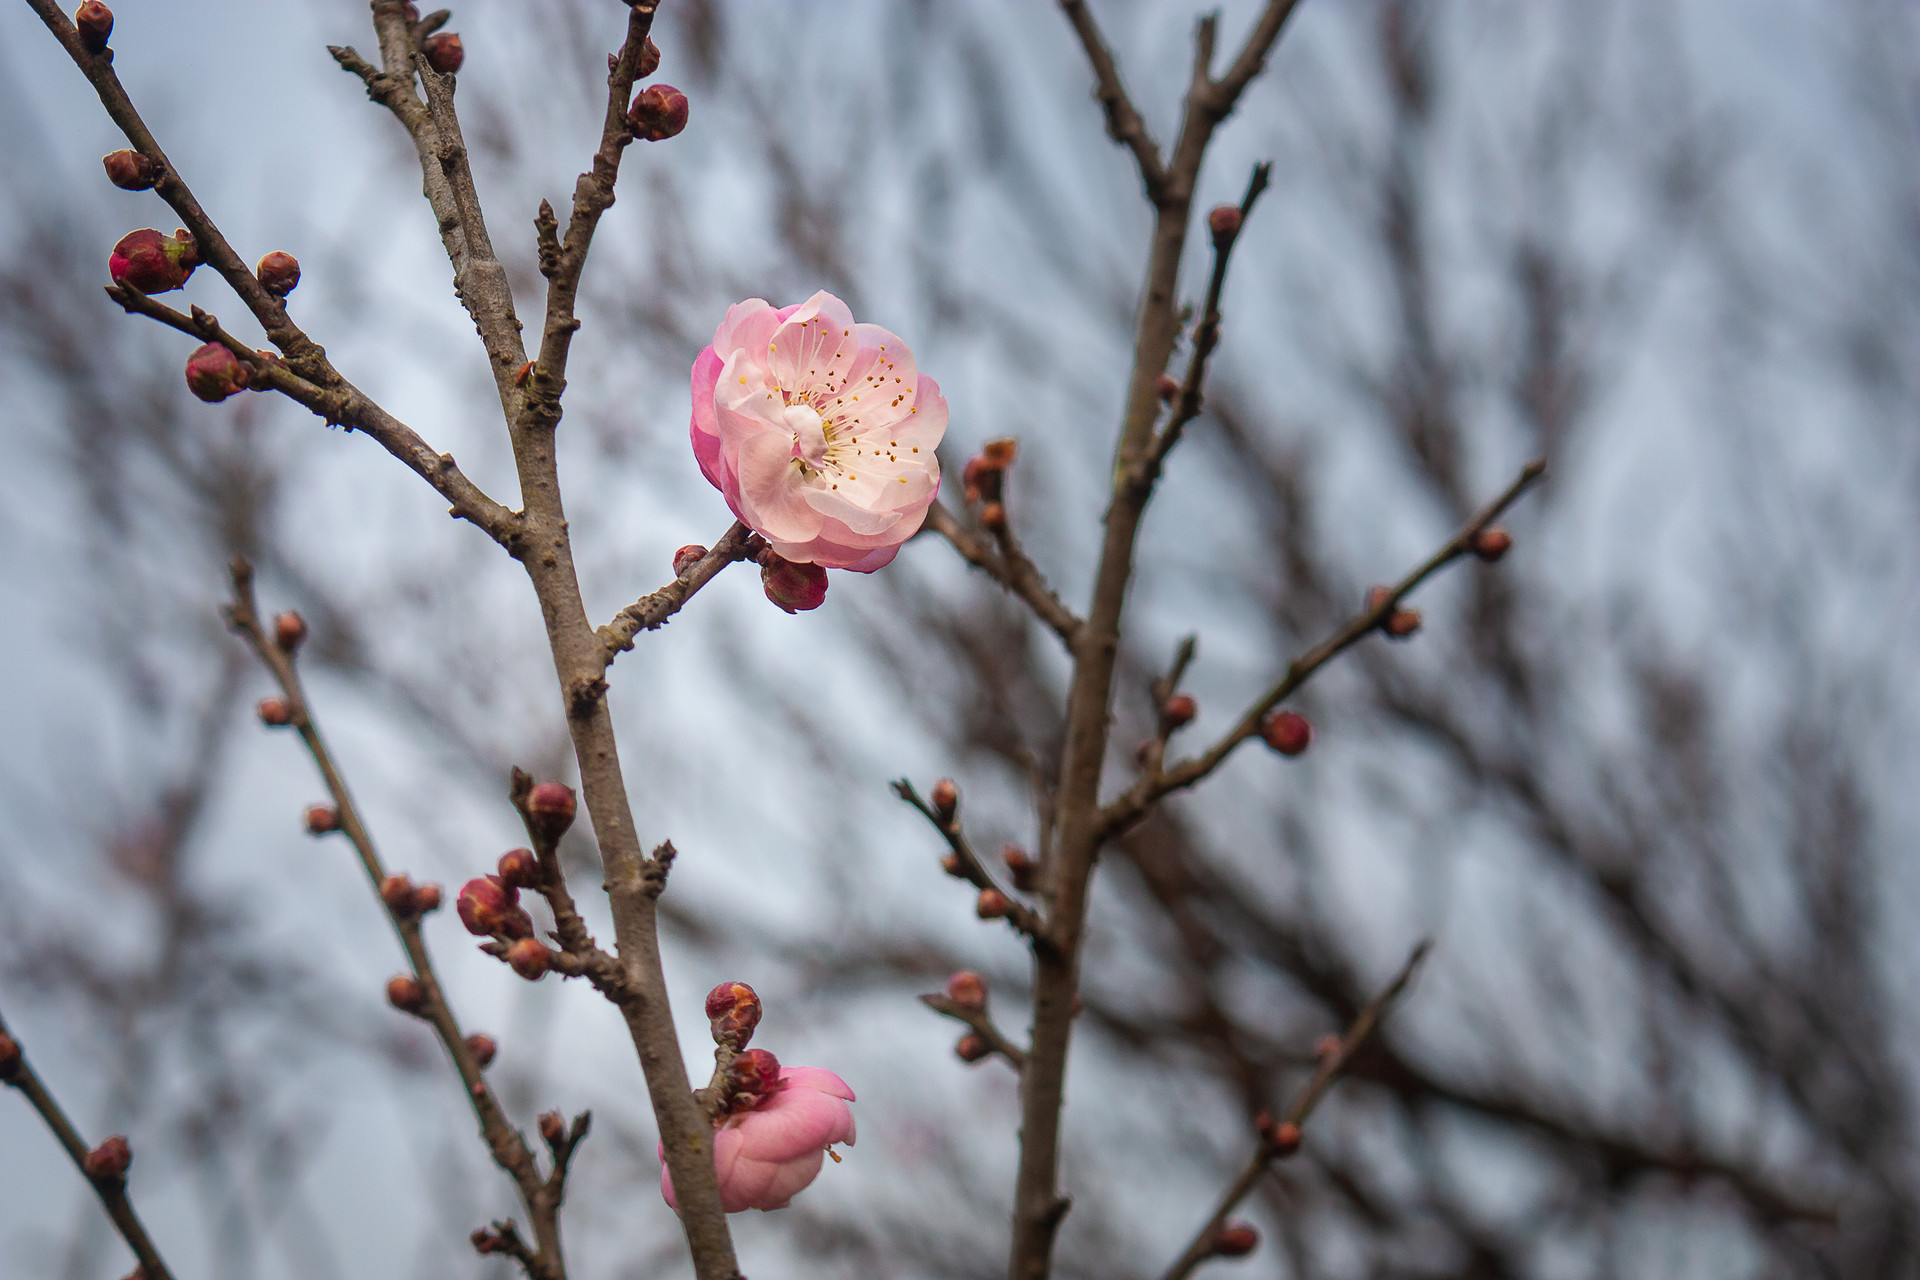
(1021, 866)
(397, 892)
(274, 711)
(426, 898)
(1179, 710)
(985, 475)
(151, 262)
(530, 958)
(1287, 732)
(967, 989)
(444, 53)
(95, 23)
(406, 994)
(1402, 623)
(1326, 1046)
(972, 1047)
(9, 1057)
(658, 113)
(649, 58)
(951, 865)
(945, 798)
(753, 1075)
(278, 273)
(686, 557)
(289, 629)
(1224, 223)
(488, 907)
(993, 517)
(552, 1128)
(1492, 543)
(1285, 1138)
(992, 904)
(794, 587)
(482, 1047)
(322, 818)
(130, 170)
(108, 1162)
(733, 1011)
(1167, 387)
(519, 869)
(550, 809)
(485, 1240)
(214, 373)
(1235, 1239)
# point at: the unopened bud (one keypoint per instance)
(686, 557)
(985, 475)
(1402, 623)
(972, 1047)
(951, 865)
(289, 629)
(658, 113)
(215, 373)
(1179, 710)
(1020, 866)
(95, 23)
(406, 994)
(945, 798)
(519, 869)
(993, 517)
(796, 588)
(485, 1240)
(108, 1162)
(426, 898)
(130, 170)
(1235, 1240)
(967, 989)
(550, 809)
(278, 273)
(649, 58)
(1492, 543)
(444, 53)
(1326, 1046)
(322, 818)
(1284, 1140)
(1167, 387)
(397, 892)
(483, 1047)
(992, 904)
(1287, 732)
(733, 1011)
(274, 711)
(151, 262)
(754, 1074)
(530, 958)
(553, 1128)
(9, 1058)
(488, 907)
(1224, 223)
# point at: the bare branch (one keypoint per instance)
(1124, 124)
(1015, 572)
(982, 1025)
(651, 612)
(968, 867)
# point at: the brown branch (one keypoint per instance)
(1130, 807)
(651, 612)
(18, 1073)
(981, 1024)
(1018, 575)
(1124, 124)
(1331, 1065)
(970, 868)
(504, 1142)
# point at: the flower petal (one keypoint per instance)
(789, 1180)
(813, 349)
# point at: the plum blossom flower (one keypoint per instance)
(818, 431)
(769, 1153)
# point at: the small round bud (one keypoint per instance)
(151, 262)
(1287, 732)
(397, 892)
(658, 113)
(733, 1011)
(1492, 543)
(1402, 623)
(289, 629)
(993, 517)
(488, 907)
(1284, 1140)
(945, 799)
(530, 958)
(686, 557)
(130, 170)
(1235, 1240)
(550, 809)
(1326, 1046)
(796, 588)
(322, 818)
(985, 476)
(483, 1047)
(9, 1058)
(1167, 387)
(967, 989)
(108, 1162)
(972, 1047)
(1224, 223)
(426, 898)
(552, 1127)
(278, 273)
(406, 994)
(649, 58)
(992, 904)
(95, 23)
(444, 53)
(485, 1240)
(519, 869)
(1021, 867)
(276, 712)
(215, 373)
(753, 1075)
(1179, 710)
(951, 865)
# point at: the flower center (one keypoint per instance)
(809, 433)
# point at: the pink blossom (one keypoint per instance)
(767, 1155)
(818, 431)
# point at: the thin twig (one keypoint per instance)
(17, 1072)
(1018, 575)
(1124, 124)
(1022, 917)
(651, 611)
(981, 1024)
(1331, 1065)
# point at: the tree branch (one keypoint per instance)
(968, 867)
(981, 1023)
(1124, 124)
(651, 612)
(1016, 573)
